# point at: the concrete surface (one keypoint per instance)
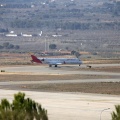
(71, 106)
(53, 70)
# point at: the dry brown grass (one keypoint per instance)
(98, 88)
(18, 77)
(101, 88)
(108, 69)
(103, 69)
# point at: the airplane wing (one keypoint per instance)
(54, 63)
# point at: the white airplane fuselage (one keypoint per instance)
(56, 61)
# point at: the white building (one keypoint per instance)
(11, 35)
(26, 35)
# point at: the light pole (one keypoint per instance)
(103, 111)
(46, 43)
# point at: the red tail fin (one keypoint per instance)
(35, 59)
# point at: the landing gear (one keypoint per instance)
(55, 65)
(50, 65)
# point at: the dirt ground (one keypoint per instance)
(105, 69)
(99, 88)
(18, 77)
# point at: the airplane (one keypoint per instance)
(55, 61)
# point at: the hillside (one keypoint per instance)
(68, 15)
(91, 25)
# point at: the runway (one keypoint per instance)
(66, 106)
(58, 81)
(40, 70)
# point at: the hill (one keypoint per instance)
(90, 25)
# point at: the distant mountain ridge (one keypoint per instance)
(60, 14)
(18, 1)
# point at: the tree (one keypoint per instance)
(116, 115)
(67, 48)
(10, 46)
(1, 47)
(73, 52)
(52, 46)
(16, 47)
(22, 109)
(77, 54)
(6, 44)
